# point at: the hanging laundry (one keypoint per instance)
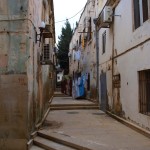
(81, 87)
(77, 55)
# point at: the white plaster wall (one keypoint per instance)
(133, 61)
(128, 64)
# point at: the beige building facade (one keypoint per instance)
(26, 68)
(84, 43)
(123, 42)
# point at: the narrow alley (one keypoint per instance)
(79, 124)
(75, 74)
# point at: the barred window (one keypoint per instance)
(144, 92)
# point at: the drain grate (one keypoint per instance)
(72, 112)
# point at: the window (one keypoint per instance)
(80, 41)
(89, 30)
(140, 12)
(144, 94)
(103, 42)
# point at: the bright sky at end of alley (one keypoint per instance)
(66, 9)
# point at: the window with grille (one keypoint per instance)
(103, 42)
(141, 11)
(46, 52)
(144, 92)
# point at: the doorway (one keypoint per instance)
(103, 85)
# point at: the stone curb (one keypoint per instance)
(129, 124)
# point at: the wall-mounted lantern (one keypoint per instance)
(38, 36)
(44, 32)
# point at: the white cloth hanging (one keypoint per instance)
(77, 55)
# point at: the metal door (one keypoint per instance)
(103, 84)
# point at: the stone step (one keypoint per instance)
(73, 107)
(49, 144)
(65, 105)
(64, 140)
(33, 147)
(61, 95)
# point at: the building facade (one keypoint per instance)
(26, 68)
(122, 42)
(82, 51)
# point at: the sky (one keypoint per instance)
(65, 9)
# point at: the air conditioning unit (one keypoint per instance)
(107, 14)
(106, 17)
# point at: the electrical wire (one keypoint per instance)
(70, 17)
(73, 15)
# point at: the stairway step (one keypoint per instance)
(60, 95)
(49, 145)
(74, 107)
(33, 147)
(65, 140)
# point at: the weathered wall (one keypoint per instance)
(13, 105)
(87, 63)
(40, 84)
(130, 57)
(13, 79)
(127, 52)
(25, 86)
(128, 64)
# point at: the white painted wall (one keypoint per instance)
(128, 64)
(120, 37)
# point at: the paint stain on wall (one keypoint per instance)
(3, 60)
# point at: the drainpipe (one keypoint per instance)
(113, 48)
(97, 58)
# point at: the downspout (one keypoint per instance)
(97, 58)
(113, 46)
(113, 50)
